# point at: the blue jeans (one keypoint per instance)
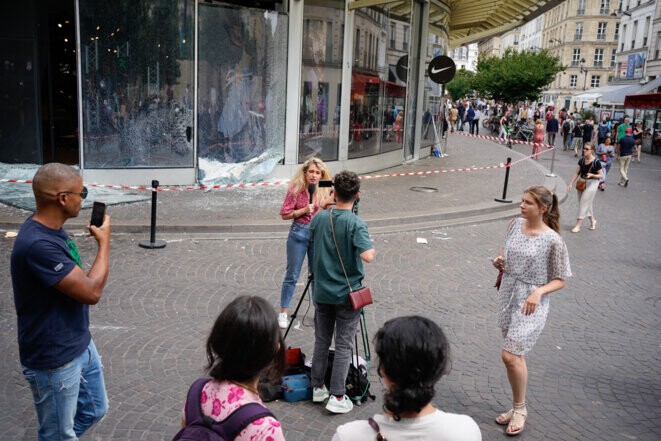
(298, 243)
(70, 398)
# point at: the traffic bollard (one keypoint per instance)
(153, 243)
(507, 178)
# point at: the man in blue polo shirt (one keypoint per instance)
(51, 296)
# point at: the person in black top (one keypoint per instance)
(624, 149)
(638, 137)
(589, 171)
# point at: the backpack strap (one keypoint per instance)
(194, 415)
(238, 420)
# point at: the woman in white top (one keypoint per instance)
(413, 355)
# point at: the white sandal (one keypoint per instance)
(521, 424)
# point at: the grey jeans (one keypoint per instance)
(343, 320)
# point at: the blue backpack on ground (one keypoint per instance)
(200, 427)
(296, 388)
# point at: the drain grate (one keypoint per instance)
(424, 189)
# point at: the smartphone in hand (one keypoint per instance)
(98, 213)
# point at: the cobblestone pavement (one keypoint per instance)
(594, 373)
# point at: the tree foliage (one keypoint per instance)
(461, 84)
(516, 76)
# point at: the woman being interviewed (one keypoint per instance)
(534, 263)
(297, 206)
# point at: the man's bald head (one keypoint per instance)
(53, 178)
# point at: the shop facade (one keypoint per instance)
(184, 91)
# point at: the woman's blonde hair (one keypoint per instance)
(539, 121)
(544, 198)
(299, 184)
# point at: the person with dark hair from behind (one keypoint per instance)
(333, 311)
(413, 355)
(244, 343)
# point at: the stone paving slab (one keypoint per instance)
(384, 201)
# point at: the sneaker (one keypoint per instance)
(319, 394)
(282, 320)
(339, 406)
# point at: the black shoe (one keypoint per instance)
(626, 183)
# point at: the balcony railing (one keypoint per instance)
(604, 11)
(601, 36)
(574, 64)
(598, 64)
(578, 36)
(580, 12)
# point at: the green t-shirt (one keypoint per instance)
(621, 130)
(330, 285)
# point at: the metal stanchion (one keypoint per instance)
(507, 178)
(551, 174)
(153, 243)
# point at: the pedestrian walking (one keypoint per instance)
(454, 114)
(341, 244)
(504, 126)
(470, 116)
(588, 130)
(462, 112)
(622, 129)
(297, 206)
(538, 138)
(552, 127)
(638, 138)
(605, 154)
(624, 149)
(588, 173)
(475, 127)
(603, 130)
(567, 129)
(577, 141)
(244, 344)
(399, 127)
(534, 263)
(52, 295)
(413, 355)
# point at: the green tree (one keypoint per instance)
(461, 84)
(516, 76)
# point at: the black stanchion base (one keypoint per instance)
(505, 201)
(152, 245)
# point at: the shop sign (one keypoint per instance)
(441, 69)
(635, 64)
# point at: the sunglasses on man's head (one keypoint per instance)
(82, 194)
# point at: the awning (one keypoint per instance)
(650, 87)
(643, 101)
(358, 82)
(613, 94)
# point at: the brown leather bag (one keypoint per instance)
(581, 183)
(361, 297)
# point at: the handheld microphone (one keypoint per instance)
(311, 189)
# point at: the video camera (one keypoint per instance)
(327, 183)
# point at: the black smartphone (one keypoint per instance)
(325, 183)
(98, 213)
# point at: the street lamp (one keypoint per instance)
(552, 40)
(585, 71)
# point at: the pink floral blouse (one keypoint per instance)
(220, 399)
(296, 201)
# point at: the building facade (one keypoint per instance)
(531, 34)
(583, 33)
(635, 38)
(465, 57)
(489, 47)
(653, 65)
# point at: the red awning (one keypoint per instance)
(643, 101)
(358, 82)
(394, 89)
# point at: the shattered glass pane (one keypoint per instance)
(242, 74)
(137, 72)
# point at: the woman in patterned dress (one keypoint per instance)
(535, 263)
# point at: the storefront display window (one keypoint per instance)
(242, 73)
(137, 75)
(378, 94)
(321, 76)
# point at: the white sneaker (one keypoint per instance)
(319, 394)
(282, 320)
(339, 406)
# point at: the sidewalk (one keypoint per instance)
(386, 204)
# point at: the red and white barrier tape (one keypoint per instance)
(268, 184)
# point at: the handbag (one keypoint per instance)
(358, 298)
(580, 184)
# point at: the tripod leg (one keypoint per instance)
(293, 316)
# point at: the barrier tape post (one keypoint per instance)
(551, 174)
(153, 243)
(507, 178)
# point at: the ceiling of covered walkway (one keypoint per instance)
(467, 21)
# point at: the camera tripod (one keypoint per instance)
(293, 316)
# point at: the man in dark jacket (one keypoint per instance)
(552, 127)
